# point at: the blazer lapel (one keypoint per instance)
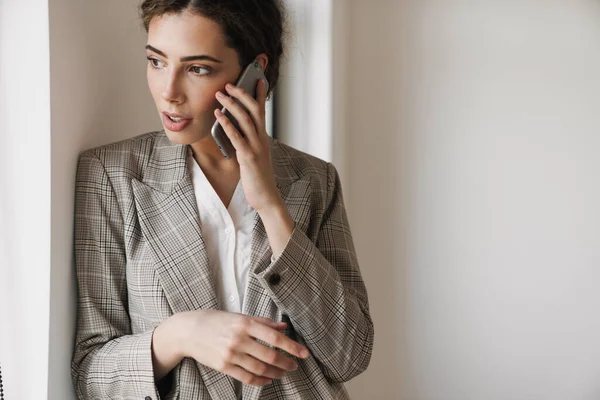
(170, 222)
(167, 211)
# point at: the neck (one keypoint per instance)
(208, 155)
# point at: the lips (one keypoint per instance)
(180, 124)
(175, 115)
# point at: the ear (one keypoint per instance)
(263, 60)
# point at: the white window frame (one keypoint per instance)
(311, 93)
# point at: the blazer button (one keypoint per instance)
(274, 279)
(148, 398)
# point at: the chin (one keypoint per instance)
(183, 137)
(176, 137)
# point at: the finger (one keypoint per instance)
(270, 322)
(256, 107)
(232, 133)
(245, 376)
(258, 367)
(244, 119)
(253, 105)
(269, 356)
(261, 98)
(277, 339)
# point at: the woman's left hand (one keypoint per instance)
(252, 149)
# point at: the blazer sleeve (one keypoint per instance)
(108, 360)
(321, 289)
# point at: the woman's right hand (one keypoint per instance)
(225, 341)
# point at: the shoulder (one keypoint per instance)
(117, 152)
(308, 181)
(124, 158)
(302, 164)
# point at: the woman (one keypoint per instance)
(202, 277)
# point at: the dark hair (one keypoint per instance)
(251, 27)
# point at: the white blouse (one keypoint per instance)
(227, 236)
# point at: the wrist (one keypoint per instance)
(166, 350)
(279, 226)
(176, 329)
(275, 202)
(168, 335)
(273, 209)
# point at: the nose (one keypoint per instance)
(172, 91)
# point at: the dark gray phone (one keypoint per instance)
(247, 80)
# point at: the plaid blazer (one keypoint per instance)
(140, 258)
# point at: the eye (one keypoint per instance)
(154, 62)
(199, 70)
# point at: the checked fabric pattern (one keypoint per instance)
(140, 258)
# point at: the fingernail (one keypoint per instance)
(304, 353)
(220, 95)
(229, 86)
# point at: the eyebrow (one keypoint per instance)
(184, 59)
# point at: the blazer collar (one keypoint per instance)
(167, 165)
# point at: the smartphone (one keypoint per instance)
(247, 80)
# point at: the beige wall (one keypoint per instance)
(99, 95)
(473, 196)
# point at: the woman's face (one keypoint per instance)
(188, 63)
